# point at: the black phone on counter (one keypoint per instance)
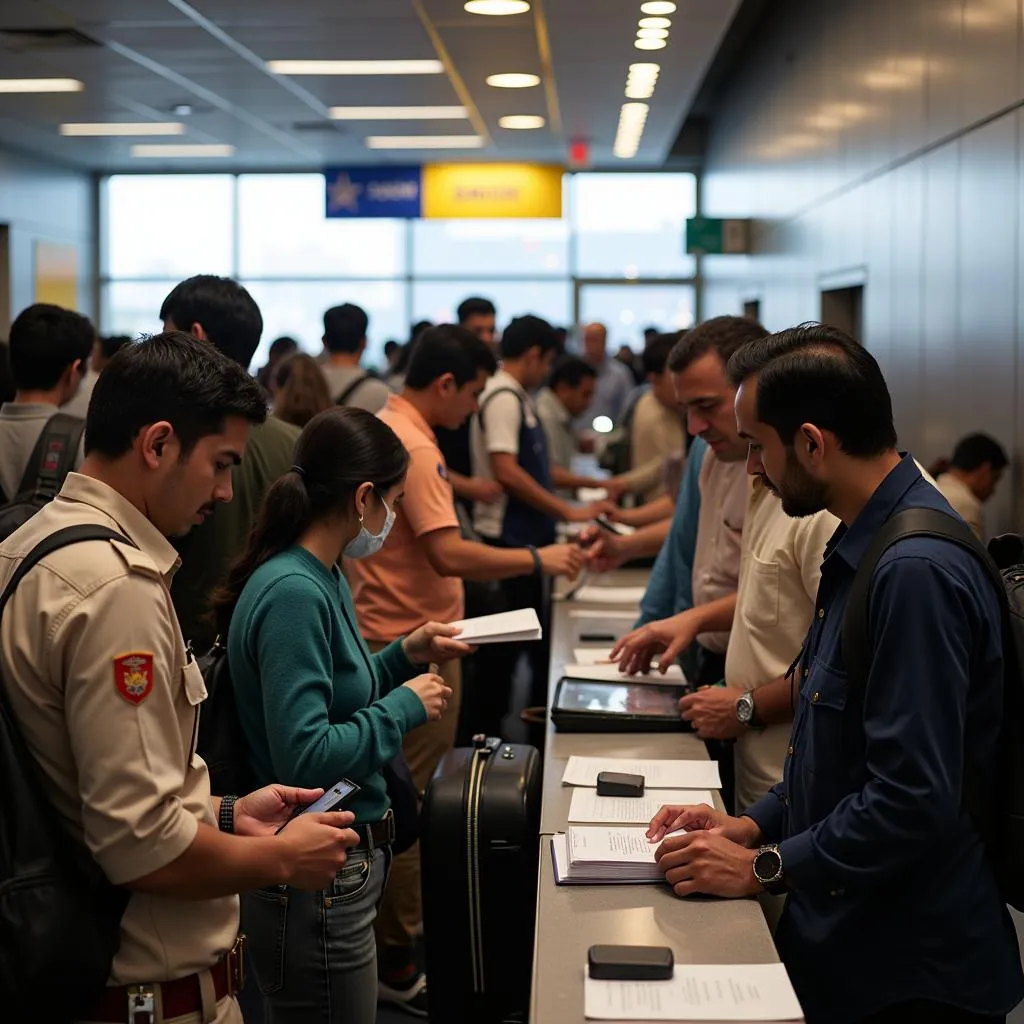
(337, 798)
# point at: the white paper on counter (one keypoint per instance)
(587, 806)
(698, 992)
(605, 673)
(658, 774)
(629, 597)
(560, 864)
(505, 627)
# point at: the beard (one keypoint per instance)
(800, 493)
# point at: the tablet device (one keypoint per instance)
(586, 705)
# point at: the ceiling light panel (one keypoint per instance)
(40, 85)
(198, 150)
(522, 121)
(398, 113)
(655, 22)
(658, 7)
(641, 81)
(355, 67)
(632, 119)
(122, 128)
(650, 44)
(497, 8)
(513, 80)
(424, 142)
(652, 33)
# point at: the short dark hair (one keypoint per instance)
(448, 348)
(419, 327)
(816, 374)
(975, 450)
(45, 340)
(657, 351)
(113, 344)
(345, 328)
(723, 334)
(570, 371)
(390, 346)
(228, 313)
(475, 306)
(526, 332)
(173, 377)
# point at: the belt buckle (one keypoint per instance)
(236, 966)
(141, 1004)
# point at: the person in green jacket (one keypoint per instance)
(315, 704)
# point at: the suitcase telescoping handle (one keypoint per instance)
(487, 745)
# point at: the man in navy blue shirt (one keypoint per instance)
(893, 914)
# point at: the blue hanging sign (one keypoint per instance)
(373, 191)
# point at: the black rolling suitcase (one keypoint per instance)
(479, 844)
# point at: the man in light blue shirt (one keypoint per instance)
(614, 381)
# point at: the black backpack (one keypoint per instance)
(221, 742)
(52, 458)
(59, 914)
(999, 813)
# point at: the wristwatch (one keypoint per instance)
(746, 712)
(768, 870)
(226, 819)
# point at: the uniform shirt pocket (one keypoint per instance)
(195, 693)
(820, 750)
(764, 587)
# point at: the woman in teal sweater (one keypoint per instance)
(316, 705)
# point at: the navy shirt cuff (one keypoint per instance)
(768, 814)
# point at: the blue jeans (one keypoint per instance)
(313, 954)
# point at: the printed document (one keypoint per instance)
(630, 597)
(641, 871)
(658, 774)
(587, 806)
(503, 628)
(698, 992)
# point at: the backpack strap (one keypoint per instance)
(911, 522)
(352, 388)
(500, 391)
(53, 456)
(54, 542)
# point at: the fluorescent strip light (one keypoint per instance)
(355, 67)
(114, 128)
(40, 85)
(158, 150)
(424, 142)
(655, 22)
(658, 7)
(496, 7)
(522, 121)
(513, 80)
(398, 113)
(650, 44)
(632, 118)
(652, 33)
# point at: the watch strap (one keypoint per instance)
(226, 818)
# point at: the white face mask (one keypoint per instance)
(365, 543)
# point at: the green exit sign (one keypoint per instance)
(712, 236)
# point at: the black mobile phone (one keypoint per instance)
(337, 798)
(619, 784)
(605, 525)
(630, 963)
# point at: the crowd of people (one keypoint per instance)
(327, 523)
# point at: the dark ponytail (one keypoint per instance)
(338, 450)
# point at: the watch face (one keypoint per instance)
(744, 709)
(767, 865)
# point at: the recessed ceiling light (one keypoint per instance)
(652, 33)
(658, 7)
(355, 67)
(655, 22)
(424, 142)
(40, 85)
(397, 113)
(524, 121)
(650, 44)
(513, 80)
(632, 118)
(111, 128)
(641, 81)
(497, 7)
(182, 110)
(157, 150)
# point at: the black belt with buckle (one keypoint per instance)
(377, 833)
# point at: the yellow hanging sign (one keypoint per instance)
(492, 190)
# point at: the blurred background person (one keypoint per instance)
(103, 350)
(280, 349)
(974, 472)
(301, 390)
(614, 381)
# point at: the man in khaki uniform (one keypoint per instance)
(107, 695)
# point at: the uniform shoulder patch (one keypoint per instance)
(442, 471)
(133, 675)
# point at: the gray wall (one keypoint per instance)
(42, 201)
(879, 141)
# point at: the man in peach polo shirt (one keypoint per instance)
(417, 576)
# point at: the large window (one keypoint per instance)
(269, 232)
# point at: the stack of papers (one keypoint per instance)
(698, 992)
(593, 663)
(586, 805)
(628, 597)
(587, 855)
(503, 628)
(658, 774)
